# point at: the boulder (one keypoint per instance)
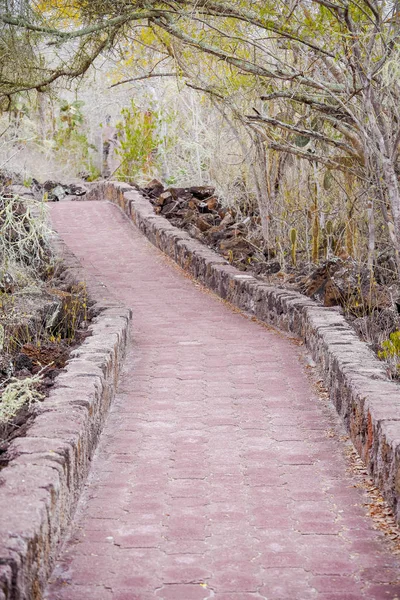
(153, 189)
(346, 283)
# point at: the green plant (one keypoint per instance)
(391, 351)
(70, 139)
(71, 114)
(94, 172)
(138, 141)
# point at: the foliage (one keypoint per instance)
(24, 234)
(71, 140)
(138, 142)
(391, 351)
(314, 82)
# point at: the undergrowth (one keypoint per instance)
(17, 394)
(38, 321)
(391, 352)
(25, 250)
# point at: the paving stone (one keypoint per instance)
(184, 592)
(78, 592)
(214, 477)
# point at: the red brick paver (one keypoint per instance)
(215, 476)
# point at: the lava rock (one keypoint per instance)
(22, 361)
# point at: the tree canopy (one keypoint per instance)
(321, 77)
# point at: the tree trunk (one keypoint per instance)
(260, 174)
(257, 169)
(381, 165)
(393, 192)
(371, 235)
(42, 114)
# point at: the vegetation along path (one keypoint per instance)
(217, 474)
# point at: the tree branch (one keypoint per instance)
(219, 9)
(69, 35)
(305, 132)
(310, 101)
(142, 77)
(241, 63)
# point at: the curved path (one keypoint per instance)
(216, 475)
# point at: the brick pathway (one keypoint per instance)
(215, 476)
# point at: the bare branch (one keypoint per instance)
(305, 132)
(310, 101)
(69, 35)
(142, 77)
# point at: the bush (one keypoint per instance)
(391, 352)
(24, 236)
(138, 142)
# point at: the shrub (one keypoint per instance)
(391, 351)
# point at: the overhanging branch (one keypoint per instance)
(304, 132)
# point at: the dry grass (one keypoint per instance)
(25, 248)
(17, 394)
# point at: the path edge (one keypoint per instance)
(366, 400)
(40, 487)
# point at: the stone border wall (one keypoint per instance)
(367, 401)
(41, 485)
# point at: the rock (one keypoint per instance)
(193, 204)
(181, 194)
(189, 216)
(266, 268)
(153, 189)
(234, 243)
(7, 283)
(53, 354)
(85, 175)
(202, 192)
(169, 208)
(47, 185)
(195, 232)
(53, 314)
(197, 210)
(57, 193)
(203, 207)
(22, 361)
(347, 284)
(164, 198)
(227, 220)
(76, 190)
(202, 224)
(212, 203)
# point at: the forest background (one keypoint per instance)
(290, 109)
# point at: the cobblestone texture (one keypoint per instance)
(215, 476)
(366, 400)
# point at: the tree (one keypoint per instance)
(329, 67)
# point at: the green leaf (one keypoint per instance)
(328, 180)
(301, 140)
